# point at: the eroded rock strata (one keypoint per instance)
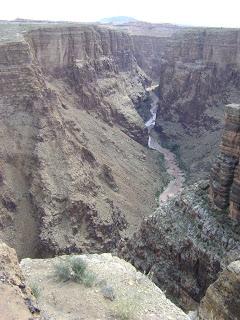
(72, 142)
(17, 302)
(187, 241)
(75, 171)
(225, 185)
(184, 245)
(222, 299)
(198, 73)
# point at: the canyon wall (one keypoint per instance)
(75, 172)
(222, 299)
(184, 245)
(91, 59)
(225, 185)
(188, 241)
(23, 103)
(72, 142)
(198, 73)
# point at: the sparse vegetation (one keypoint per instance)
(88, 279)
(125, 309)
(63, 270)
(108, 292)
(157, 194)
(36, 291)
(75, 269)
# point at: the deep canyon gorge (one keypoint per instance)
(121, 142)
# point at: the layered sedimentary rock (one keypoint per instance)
(198, 77)
(96, 62)
(198, 73)
(70, 152)
(222, 299)
(184, 245)
(187, 241)
(22, 104)
(17, 302)
(225, 184)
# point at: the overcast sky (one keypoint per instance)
(219, 13)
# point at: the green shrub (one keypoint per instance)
(125, 309)
(36, 291)
(78, 267)
(75, 269)
(157, 195)
(88, 279)
(108, 292)
(63, 270)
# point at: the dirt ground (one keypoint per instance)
(135, 296)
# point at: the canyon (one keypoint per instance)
(76, 142)
(122, 140)
(185, 257)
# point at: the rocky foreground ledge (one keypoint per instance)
(109, 288)
(117, 291)
(113, 289)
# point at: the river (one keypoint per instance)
(177, 176)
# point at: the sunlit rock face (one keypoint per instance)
(225, 174)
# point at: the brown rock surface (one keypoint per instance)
(16, 301)
(198, 73)
(184, 245)
(225, 184)
(72, 142)
(222, 299)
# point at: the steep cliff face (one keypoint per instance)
(96, 63)
(202, 65)
(17, 302)
(184, 245)
(70, 133)
(225, 185)
(22, 104)
(198, 73)
(222, 299)
(187, 241)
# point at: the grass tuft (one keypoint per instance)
(75, 269)
(36, 291)
(125, 309)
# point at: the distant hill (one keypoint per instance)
(117, 20)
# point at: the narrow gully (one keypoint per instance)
(176, 183)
